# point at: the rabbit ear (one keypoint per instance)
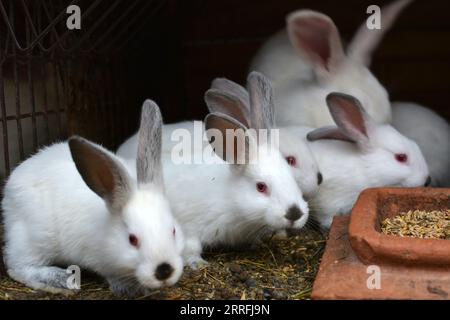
(366, 40)
(228, 138)
(328, 133)
(148, 161)
(101, 171)
(261, 101)
(223, 102)
(234, 89)
(350, 116)
(315, 38)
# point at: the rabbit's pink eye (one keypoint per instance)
(134, 241)
(291, 161)
(261, 187)
(174, 231)
(401, 157)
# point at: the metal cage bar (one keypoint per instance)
(47, 87)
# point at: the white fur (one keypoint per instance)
(348, 170)
(302, 102)
(218, 204)
(305, 172)
(301, 83)
(369, 160)
(128, 149)
(431, 132)
(53, 218)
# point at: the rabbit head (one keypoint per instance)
(316, 39)
(295, 151)
(144, 236)
(261, 173)
(393, 159)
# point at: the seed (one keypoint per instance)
(419, 224)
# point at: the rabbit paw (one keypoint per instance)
(280, 234)
(196, 263)
(49, 279)
(129, 288)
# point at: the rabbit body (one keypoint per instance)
(76, 203)
(127, 150)
(51, 219)
(431, 132)
(347, 172)
(223, 202)
(307, 62)
(359, 154)
(217, 206)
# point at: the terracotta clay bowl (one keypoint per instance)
(372, 246)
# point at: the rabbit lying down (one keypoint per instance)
(75, 203)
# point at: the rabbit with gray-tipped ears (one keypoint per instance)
(229, 203)
(295, 151)
(307, 61)
(359, 153)
(372, 155)
(76, 203)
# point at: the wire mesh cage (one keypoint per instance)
(55, 82)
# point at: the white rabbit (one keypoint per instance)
(296, 151)
(75, 203)
(128, 149)
(227, 203)
(370, 155)
(431, 132)
(308, 62)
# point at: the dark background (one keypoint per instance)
(92, 81)
(219, 38)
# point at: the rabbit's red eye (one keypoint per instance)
(291, 161)
(261, 187)
(174, 231)
(134, 241)
(401, 157)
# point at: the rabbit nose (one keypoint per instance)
(428, 182)
(293, 214)
(163, 271)
(319, 178)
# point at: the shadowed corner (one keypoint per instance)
(3, 273)
(2, 268)
(2, 246)
(2, 263)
